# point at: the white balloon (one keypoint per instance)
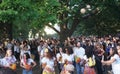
(83, 10)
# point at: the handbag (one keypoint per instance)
(91, 62)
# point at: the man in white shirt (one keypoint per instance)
(79, 52)
(40, 50)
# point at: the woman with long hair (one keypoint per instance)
(48, 62)
(114, 60)
(27, 64)
(60, 59)
(89, 62)
(8, 63)
(68, 57)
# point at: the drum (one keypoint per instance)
(27, 67)
(13, 66)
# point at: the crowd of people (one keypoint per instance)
(76, 55)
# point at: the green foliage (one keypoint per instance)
(46, 13)
(105, 22)
(18, 12)
(36, 14)
(7, 15)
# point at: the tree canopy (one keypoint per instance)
(87, 17)
(18, 13)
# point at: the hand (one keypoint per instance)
(99, 54)
(60, 58)
(103, 62)
(27, 67)
(66, 61)
(48, 69)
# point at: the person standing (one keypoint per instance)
(114, 61)
(79, 52)
(8, 63)
(27, 64)
(89, 62)
(24, 48)
(60, 59)
(48, 62)
(98, 52)
(17, 50)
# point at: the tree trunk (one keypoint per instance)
(5, 30)
(64, 34)
(67, 32)
(10, 31)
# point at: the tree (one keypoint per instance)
(17, 14)
(105, 22)
(88, 16)
(66, 13)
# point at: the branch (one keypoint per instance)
(53, 28)
(74, 25)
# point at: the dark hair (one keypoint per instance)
(115, 50)
(89, 52)
(69, 49)
(50, 53)
(63, 50)
(27, 56)
(24, 42)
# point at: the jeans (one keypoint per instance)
(79, 68)
(26, 71)
(60, 67)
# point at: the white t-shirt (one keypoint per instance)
(69, 58)
(6, 61)
(25, 51)
(27, 46)
(116, 64)
(49, 62)
(79, 52)
(29, 61)
(39, 48)
(59, 55)
(16, 49)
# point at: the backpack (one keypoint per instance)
(91, 62)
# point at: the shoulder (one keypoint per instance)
(115, 56)
(58, 54)
(82, 48)
(65, 55)
(13, 57)
(44, 60)
(30, 60)
(72, 55)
